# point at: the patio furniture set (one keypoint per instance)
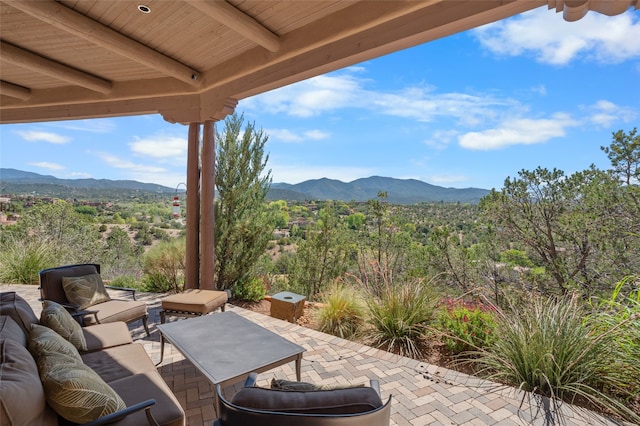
(84, 330)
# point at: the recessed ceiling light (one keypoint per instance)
(144, 8)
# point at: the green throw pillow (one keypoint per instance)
(43, 341)
(281, 384)
(57, 318)
(85, 291)
(72, 389)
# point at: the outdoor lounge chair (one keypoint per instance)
(357, 406)
(79, 288)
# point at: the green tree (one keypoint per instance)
(567, 223)
(624, 153)
(243, 225)
(322, 256)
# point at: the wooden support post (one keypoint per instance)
(207, 208)
(192, 266)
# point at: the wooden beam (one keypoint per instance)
(32, 61)
(347, 22)
(192, 263)
(67, 19)
(14, 91)
(227, 15)
(207, 207)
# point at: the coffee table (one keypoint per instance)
(225, 347)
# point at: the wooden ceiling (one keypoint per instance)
(192, 60)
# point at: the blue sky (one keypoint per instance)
(465, 111)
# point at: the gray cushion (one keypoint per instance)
(339, 401)
(16, 307)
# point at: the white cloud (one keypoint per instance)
(440, 139)
(445, 179)
(48, 166)
(161, 147)
(94, 125)
(316, 135)
(38, 136)
(518, 131)
(287, 136)
(342, 91)
(144, 172)
(550, 39)
(79, 175)
(605, 113)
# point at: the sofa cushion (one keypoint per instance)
(119, 361)
(136, 388)
(16, 307)
(10, 330)
(47, 346)
(338, 401)
(22, 400)
(57, 318)
(73, 390)
(102, 336)
(85, 290)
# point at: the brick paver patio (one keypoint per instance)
(423, 394)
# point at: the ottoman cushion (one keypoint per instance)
(195, 301)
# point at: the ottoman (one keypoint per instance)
(193, 302)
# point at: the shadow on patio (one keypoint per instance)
(423, 394)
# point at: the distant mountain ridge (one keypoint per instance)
(22, 177)
(400, 191)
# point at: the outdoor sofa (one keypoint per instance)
(40, 370)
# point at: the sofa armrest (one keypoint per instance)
(118, 415)
(132, 291)
(80, 314)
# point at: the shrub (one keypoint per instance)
(342, 311)
(466, 325)
(547, 347)
(401, 316)
(164, 266)
(126, 281)
(251, 289)
(21, 260)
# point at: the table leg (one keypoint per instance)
(298, 366)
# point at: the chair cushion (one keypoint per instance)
(195, 300)
(85, 290)
(72, 389)
(57, 318)
(338, 401)
(18, 309)
(118, 310)
(22, 400)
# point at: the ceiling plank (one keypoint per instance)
(26, 59)
(66, 19)
(347, 22)
(14, 91)
(227, 15)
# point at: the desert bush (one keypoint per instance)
(549, 347)
(21, 259)
(164, 266)
(621, 312)
(466, 326)
(252, 289)
(342, 311)
(401, 316)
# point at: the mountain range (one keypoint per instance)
(399, 191)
